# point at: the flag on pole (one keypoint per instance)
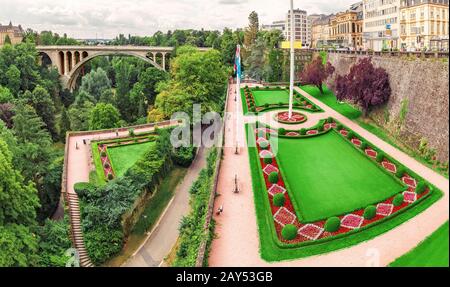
(237, 63)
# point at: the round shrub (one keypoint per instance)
(131, 132)
(110, 176)
(257, 88)
(350, 135)
(280, 103)
(400, 172)
(267, 87)
(103, 154)
(303, 132)
(421, 187)
(370, 212)
(330, 120)
(106, 165)
(282, 131)
(380, 157)
(266, 105)
(321, 128)
(289, 232)
(264, 144)
(268, 160)
(339, 126)
(332, 224)
(363, 146)
(273, 177)
(279, 200)
(398, 200)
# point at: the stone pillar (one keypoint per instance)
(66, 63)
(154, 57)
(74, 60)
(163, 61)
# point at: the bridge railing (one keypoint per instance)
(427, 55)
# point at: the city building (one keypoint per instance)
(301, 27)
(15, 33)
(424, 25)
(347, 28)
(381, 24)
(277, 25)
(320, 32)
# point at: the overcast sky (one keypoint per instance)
(108, 18)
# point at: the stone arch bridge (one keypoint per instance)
(69, 60)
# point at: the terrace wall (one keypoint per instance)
(424, 84)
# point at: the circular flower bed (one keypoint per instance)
(297, 118)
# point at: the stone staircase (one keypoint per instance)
(77, 231)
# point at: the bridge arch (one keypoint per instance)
(74, 73)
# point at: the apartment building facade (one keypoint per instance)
(301, 27)
(424, 25)
(381, 24)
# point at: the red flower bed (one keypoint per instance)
(314, 231)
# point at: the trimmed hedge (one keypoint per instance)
(279, 200)
(370, 212)
(350, 135)
(282, 131)
(184, 156)
(421, 187)
(398, 200)
(380, 156)
(303, 131)
(363, 146)
(268, 160)
(332, 224)
(289, 232)
(273, 177)
(400, 172)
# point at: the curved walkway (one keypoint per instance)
(78, 163)
(237, 242)
(164, 235)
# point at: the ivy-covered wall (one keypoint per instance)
(418, 109)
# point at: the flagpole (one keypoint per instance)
(238, 91)
(291, 86)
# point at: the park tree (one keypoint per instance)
(13, 79)
(364, 85)
(82, 97)
(7, 40)
(104, 116)
(64, 124)
(256, 62)
(7, 114)
(18, 198)
(33, 141)
(42, 102)
(5, 95)
(316, 72)
(95, 83)
(251, 33)
(148, 79)
(108, 97)
(228, 46)
(79, 115)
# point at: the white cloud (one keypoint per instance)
(107, 18)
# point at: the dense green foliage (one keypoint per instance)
(104, 116)
(289, 232)
(370, 212)
(184, 156)
(398, 200)
(332, 224)
(279, 199)
(273, 177)
(192, 226)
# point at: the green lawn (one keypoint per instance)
(270, 97)
(329, 99)
(124, 157)
(432, 252)
(327, 176)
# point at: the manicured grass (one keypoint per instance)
(329, 99)
(96, 177)
(327, 177)
(124, 157)
(270, 248)
(432, 252)
(270, 97)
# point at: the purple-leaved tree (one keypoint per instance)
(315, 73)
(364, 85)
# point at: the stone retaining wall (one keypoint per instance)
(421, 85)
